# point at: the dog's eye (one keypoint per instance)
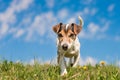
(71, 35)
(60, 35)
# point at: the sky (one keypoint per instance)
(26, 29)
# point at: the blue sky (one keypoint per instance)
(26, 28)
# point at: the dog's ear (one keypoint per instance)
(76, 28)
(57, 28)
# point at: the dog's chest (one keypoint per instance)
(71, 54)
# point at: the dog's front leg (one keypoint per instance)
(62, 65)
(71, 61)
(76, 60)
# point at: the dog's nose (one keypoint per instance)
(65, 47)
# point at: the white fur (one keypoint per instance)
(67, 26)
(71, 53)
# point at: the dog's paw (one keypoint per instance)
(74, 66)
(71, 65)
(63, 73)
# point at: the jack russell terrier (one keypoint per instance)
(68, 44)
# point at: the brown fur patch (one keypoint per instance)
(67, 35)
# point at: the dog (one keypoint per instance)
(68, 44)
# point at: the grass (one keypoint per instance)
(20, 71)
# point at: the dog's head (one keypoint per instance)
(67, 34)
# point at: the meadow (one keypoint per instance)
(19, 71)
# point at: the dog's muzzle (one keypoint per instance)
(64, 47)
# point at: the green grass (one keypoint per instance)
(20, 71)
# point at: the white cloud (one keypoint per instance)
(62, 14)
(86, 1)
(89, 11)
(86, 10)
(82, 34)
(3, 29)
(93, 28)
(111, 7)
(118, 63)
(52, 61)
(8, 17)
(117, 38)
(16, 6)
(95, 31)
(72, 20)
(83, 61)
(88, 60)
(93, 11)
(105, 26)
(40, 61)
(21, 5)
(19, 33)
(32, 62)
(50, 3)
(41, 24)
(101, 36)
